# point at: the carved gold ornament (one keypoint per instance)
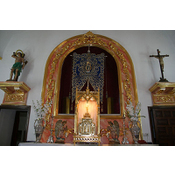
(15, 93)
(163, 93)
(52, 77)
(126, 82)
(14, 98)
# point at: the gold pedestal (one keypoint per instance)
(163, 94)
(15, 92)
(87, 139)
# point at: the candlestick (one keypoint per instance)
(125, 140)
(50, 139)
(123, 98)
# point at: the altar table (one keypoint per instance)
(71, 144)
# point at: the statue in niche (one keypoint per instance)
(113, 130)
(19, 64)
(60, 131)
(88, 67)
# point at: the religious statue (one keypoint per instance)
(113, 130)
(60, 131)
(18, 65)
(161, 62)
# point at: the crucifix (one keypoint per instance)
(161, 62)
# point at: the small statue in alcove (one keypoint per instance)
(19, 64)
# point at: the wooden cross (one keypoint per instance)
(161, 62)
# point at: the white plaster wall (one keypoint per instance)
(37, 46)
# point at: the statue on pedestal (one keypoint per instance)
(161, 62)
(18, 65)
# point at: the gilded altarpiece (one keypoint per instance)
(52, 78)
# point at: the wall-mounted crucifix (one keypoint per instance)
(161, 62)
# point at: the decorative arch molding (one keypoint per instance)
(52, 76)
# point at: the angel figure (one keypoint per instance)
(60, 130)
(114, 130)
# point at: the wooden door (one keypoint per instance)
(14, 121)
(162, 120)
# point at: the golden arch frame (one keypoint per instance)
(52, 76)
